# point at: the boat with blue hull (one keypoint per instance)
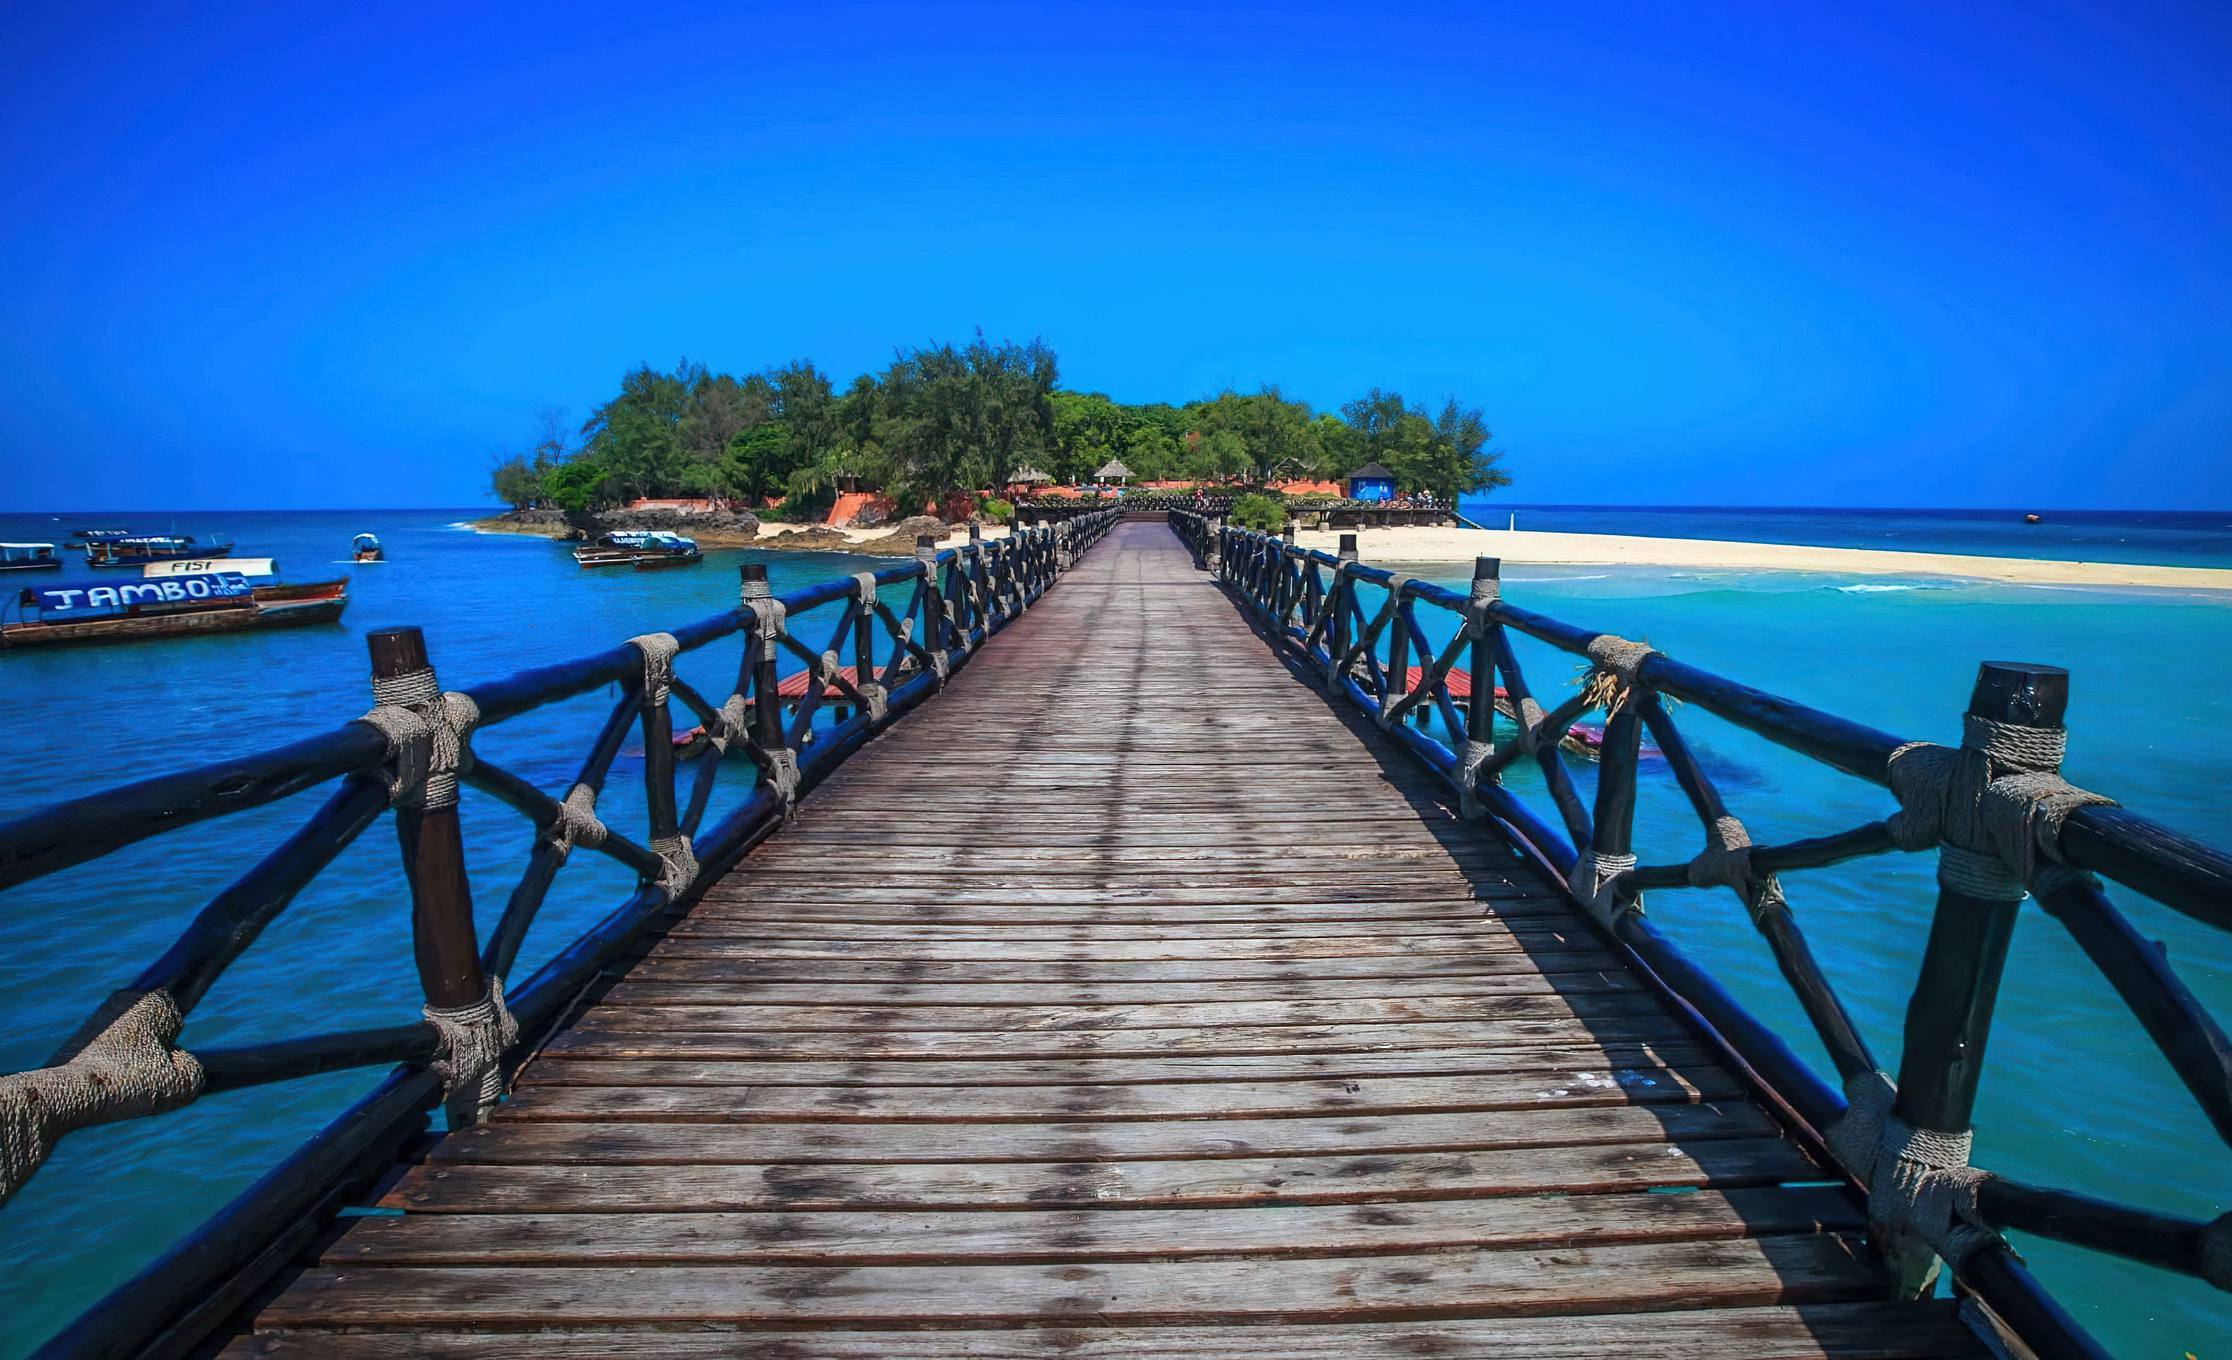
(164, 605)
(643, 549)
(132, 550)
(28, 557)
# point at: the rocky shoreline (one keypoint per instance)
(717, 529)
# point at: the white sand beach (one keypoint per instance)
(1410, 546)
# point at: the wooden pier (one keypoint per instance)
(1105, 962)
(1084, 1037)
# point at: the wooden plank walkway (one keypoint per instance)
(1126, 1000)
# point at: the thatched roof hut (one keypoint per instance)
(1113, 471)
(1028, 475)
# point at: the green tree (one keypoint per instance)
(1272, 431)
(635, 438)
(1262, 513)
(1445, 454)
(956, 419)
(755, 458)
(577, 485)
(808, 409)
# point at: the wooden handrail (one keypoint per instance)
(963, 596)
(1307, 602)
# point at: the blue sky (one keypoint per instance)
(1766, 254)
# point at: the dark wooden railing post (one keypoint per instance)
(976, 581)
(767, 698)
(1949, 1016)
(1336, 602)
(933, 605)
(444, 943)
(864, 634)
(1480, 709)
(442, 938)
(1610, 850)
(1397, 684)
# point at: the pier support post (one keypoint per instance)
(1336, 604)
(1950, 1015)
(767, 708)
(460, 1000)
(1480, 709)
(1610, 851)
(934, 607)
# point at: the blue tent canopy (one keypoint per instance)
(1371, 482)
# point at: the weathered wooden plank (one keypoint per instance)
(658, 991)
(1820, 1331)
(1517, 939)
(864, 1044)
(747, 927)
(1401, 1010)
(829, 909)
(461, 1188)
(701, 1090)
(917, 1238)
(1301, 975)
(959, 892)
(1729, 1273)
(527, 1143)
(563, 1069)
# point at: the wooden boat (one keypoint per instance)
(82, 538)
(643, 548)
(603, 554)
(28, 557)
(2034, 519)
(667, 550)
(366, 548)
(170, 607)
(132, 550)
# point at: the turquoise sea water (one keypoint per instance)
(2074, 1094)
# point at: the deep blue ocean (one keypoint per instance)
(2073, 1096)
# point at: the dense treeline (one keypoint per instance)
(945, 419)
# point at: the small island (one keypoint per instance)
(950, 435)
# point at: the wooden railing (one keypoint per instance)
(1995, 808)
(904, 629)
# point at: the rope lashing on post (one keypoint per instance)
(879, 699)
(679, 866)
(576, 822)
(429, 735)
(940, 666)
(123, 1063)
(1920, 1183)
(1486, 592)
(1474, 755)
(1993, 807)
(736, 723)
(1591, 881)
(475, 1038)
(1726, 862)
(1613, 675)
(658, 651)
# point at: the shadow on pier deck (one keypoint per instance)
(1184, 1020)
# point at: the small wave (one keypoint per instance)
(465, 524)
(1600, 576)
(1874, 588)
